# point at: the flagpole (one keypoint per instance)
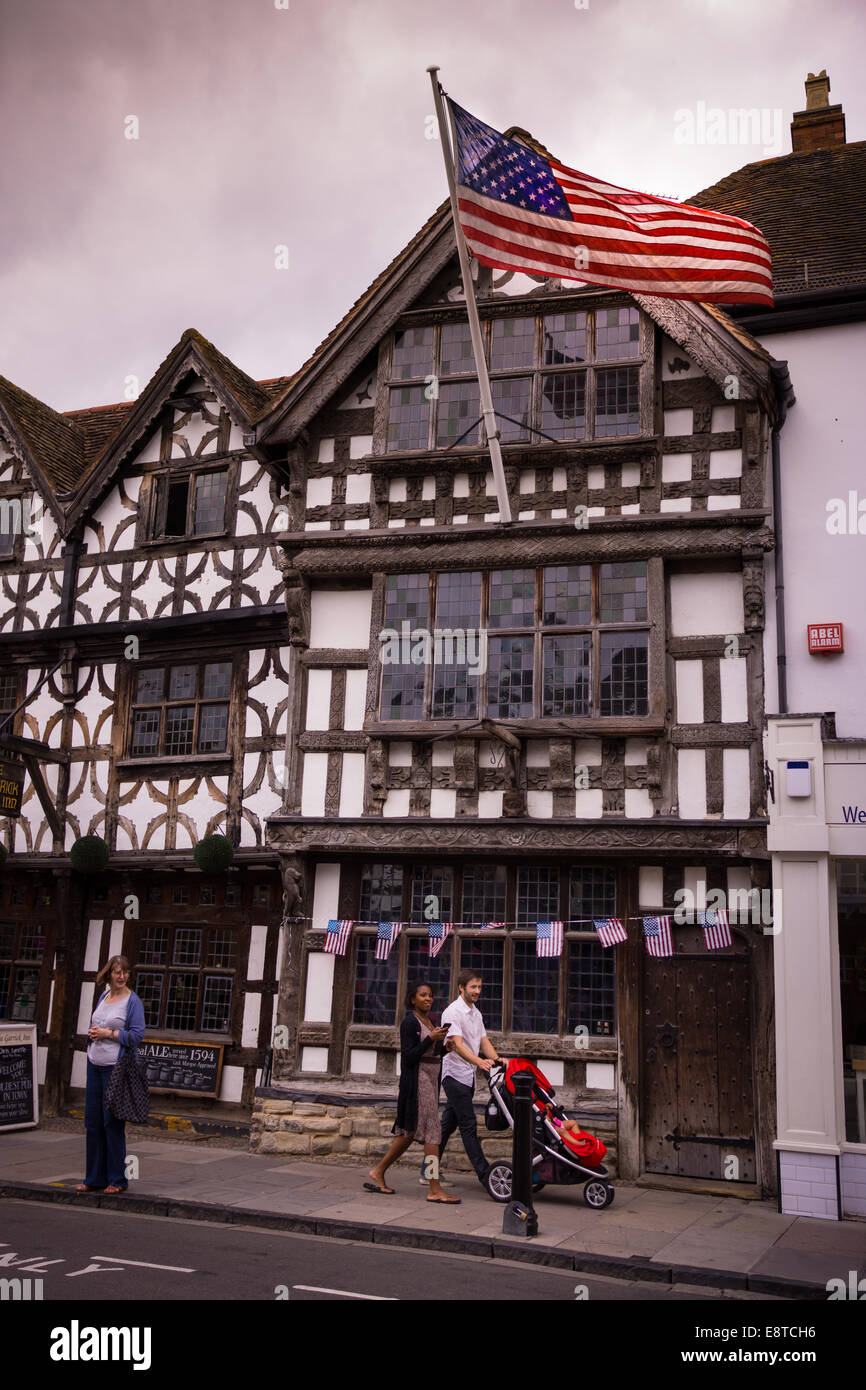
(486, 396)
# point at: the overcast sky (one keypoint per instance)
(306, 127)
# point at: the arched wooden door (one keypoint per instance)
(697, 1111)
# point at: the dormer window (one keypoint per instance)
(190, 504)
(560, 376)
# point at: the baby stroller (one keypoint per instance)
(558, 1156)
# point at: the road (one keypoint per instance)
(112, 1256)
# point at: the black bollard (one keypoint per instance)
(520, 1218)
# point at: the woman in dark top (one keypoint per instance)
(418, 1096)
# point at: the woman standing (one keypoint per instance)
(118, 1021)
(418, 1096)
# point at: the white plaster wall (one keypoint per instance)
(356, 699)
(313, 787)
(268, 688)
(325, 895)
(692, 783)
(352, 784)
(735, 781)
(340, 617)
(690, 692)
(200, 807)
(735, 701)
(706, 604)
(650, 886)
(320, 986)
(141, 808)
(258, 943)
(318, 698)
(314, 1059)
(822, 458)
(250, 1022)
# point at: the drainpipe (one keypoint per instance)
(785, 399)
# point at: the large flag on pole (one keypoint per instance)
(522, 211)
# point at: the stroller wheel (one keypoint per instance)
(498, 1180)
(597, 1194)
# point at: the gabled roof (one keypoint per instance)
(810, 208)
(48, 439)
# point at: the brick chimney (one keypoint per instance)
(821, 126)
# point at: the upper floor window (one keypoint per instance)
(189, 503)
(180, 709)
(560, 375)
(565, 641)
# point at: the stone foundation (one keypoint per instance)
(361, 1132)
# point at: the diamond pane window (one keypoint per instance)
(568, 596)
(510, 678)
(624, 686)
(413, 353)
(617, 333)
(623, 593)
(408, 418)
(512, 344)
(457, 357)
(567, 684)
(616, 410)
(458, 414)
(564, 339)
(209, 506)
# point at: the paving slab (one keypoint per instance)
(725, 1251)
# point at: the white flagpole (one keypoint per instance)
(490, 426)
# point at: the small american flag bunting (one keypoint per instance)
(716, 929)
(657, 934)
(490, 926)
(386, 935)
(437, 934)
(337, 936)
(610, 930)
(548, 938)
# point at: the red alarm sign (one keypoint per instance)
(825, 637)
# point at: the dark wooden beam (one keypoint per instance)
(31, 748)
(44, 795)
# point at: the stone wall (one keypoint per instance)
(360, 1133)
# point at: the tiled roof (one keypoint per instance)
(54, 442)
(98, 425)
(810, 208)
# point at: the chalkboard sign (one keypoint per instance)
(180, 1066)
(19, 1093)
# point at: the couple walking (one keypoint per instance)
(458, 1046)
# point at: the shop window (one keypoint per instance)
(851, 893)
(544, 369)
(566, 641)
(180, 710)
(22, 947)
(185, 977)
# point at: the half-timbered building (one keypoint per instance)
(602, 758)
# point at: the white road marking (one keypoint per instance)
(144, 1264)
(346, 1293)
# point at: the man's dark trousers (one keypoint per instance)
(458, 1113)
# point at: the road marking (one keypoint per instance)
(144, 1264)
(347, 1293)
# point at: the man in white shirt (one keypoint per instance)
(467, 1047)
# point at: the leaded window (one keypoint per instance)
(180, 709)
(185, 977)
(189, 503)
(22, 947)
(552, 375)
(566, 641)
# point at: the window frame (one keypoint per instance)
(538, 631)
(176, 471)
(643, 361)
(132, 705)
(236, 972)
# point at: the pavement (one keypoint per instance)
(663, 1236)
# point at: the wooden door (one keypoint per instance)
(697, 1062)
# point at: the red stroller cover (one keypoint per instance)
(585, 1146)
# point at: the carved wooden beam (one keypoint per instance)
(44, 795)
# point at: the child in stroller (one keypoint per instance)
(562, 1152)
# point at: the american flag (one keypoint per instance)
(385, 937)
(548, 938)
(610, 930)
(437, 934)
(522, 211)
(657, 934)
(716, 929)
(489, 926)
(337, 936)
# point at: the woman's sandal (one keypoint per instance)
(112, 1190)
(374, 1187)
(82, 1187)
(446, 1201)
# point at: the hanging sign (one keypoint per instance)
(11, 787)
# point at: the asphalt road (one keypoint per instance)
(99, 1256)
